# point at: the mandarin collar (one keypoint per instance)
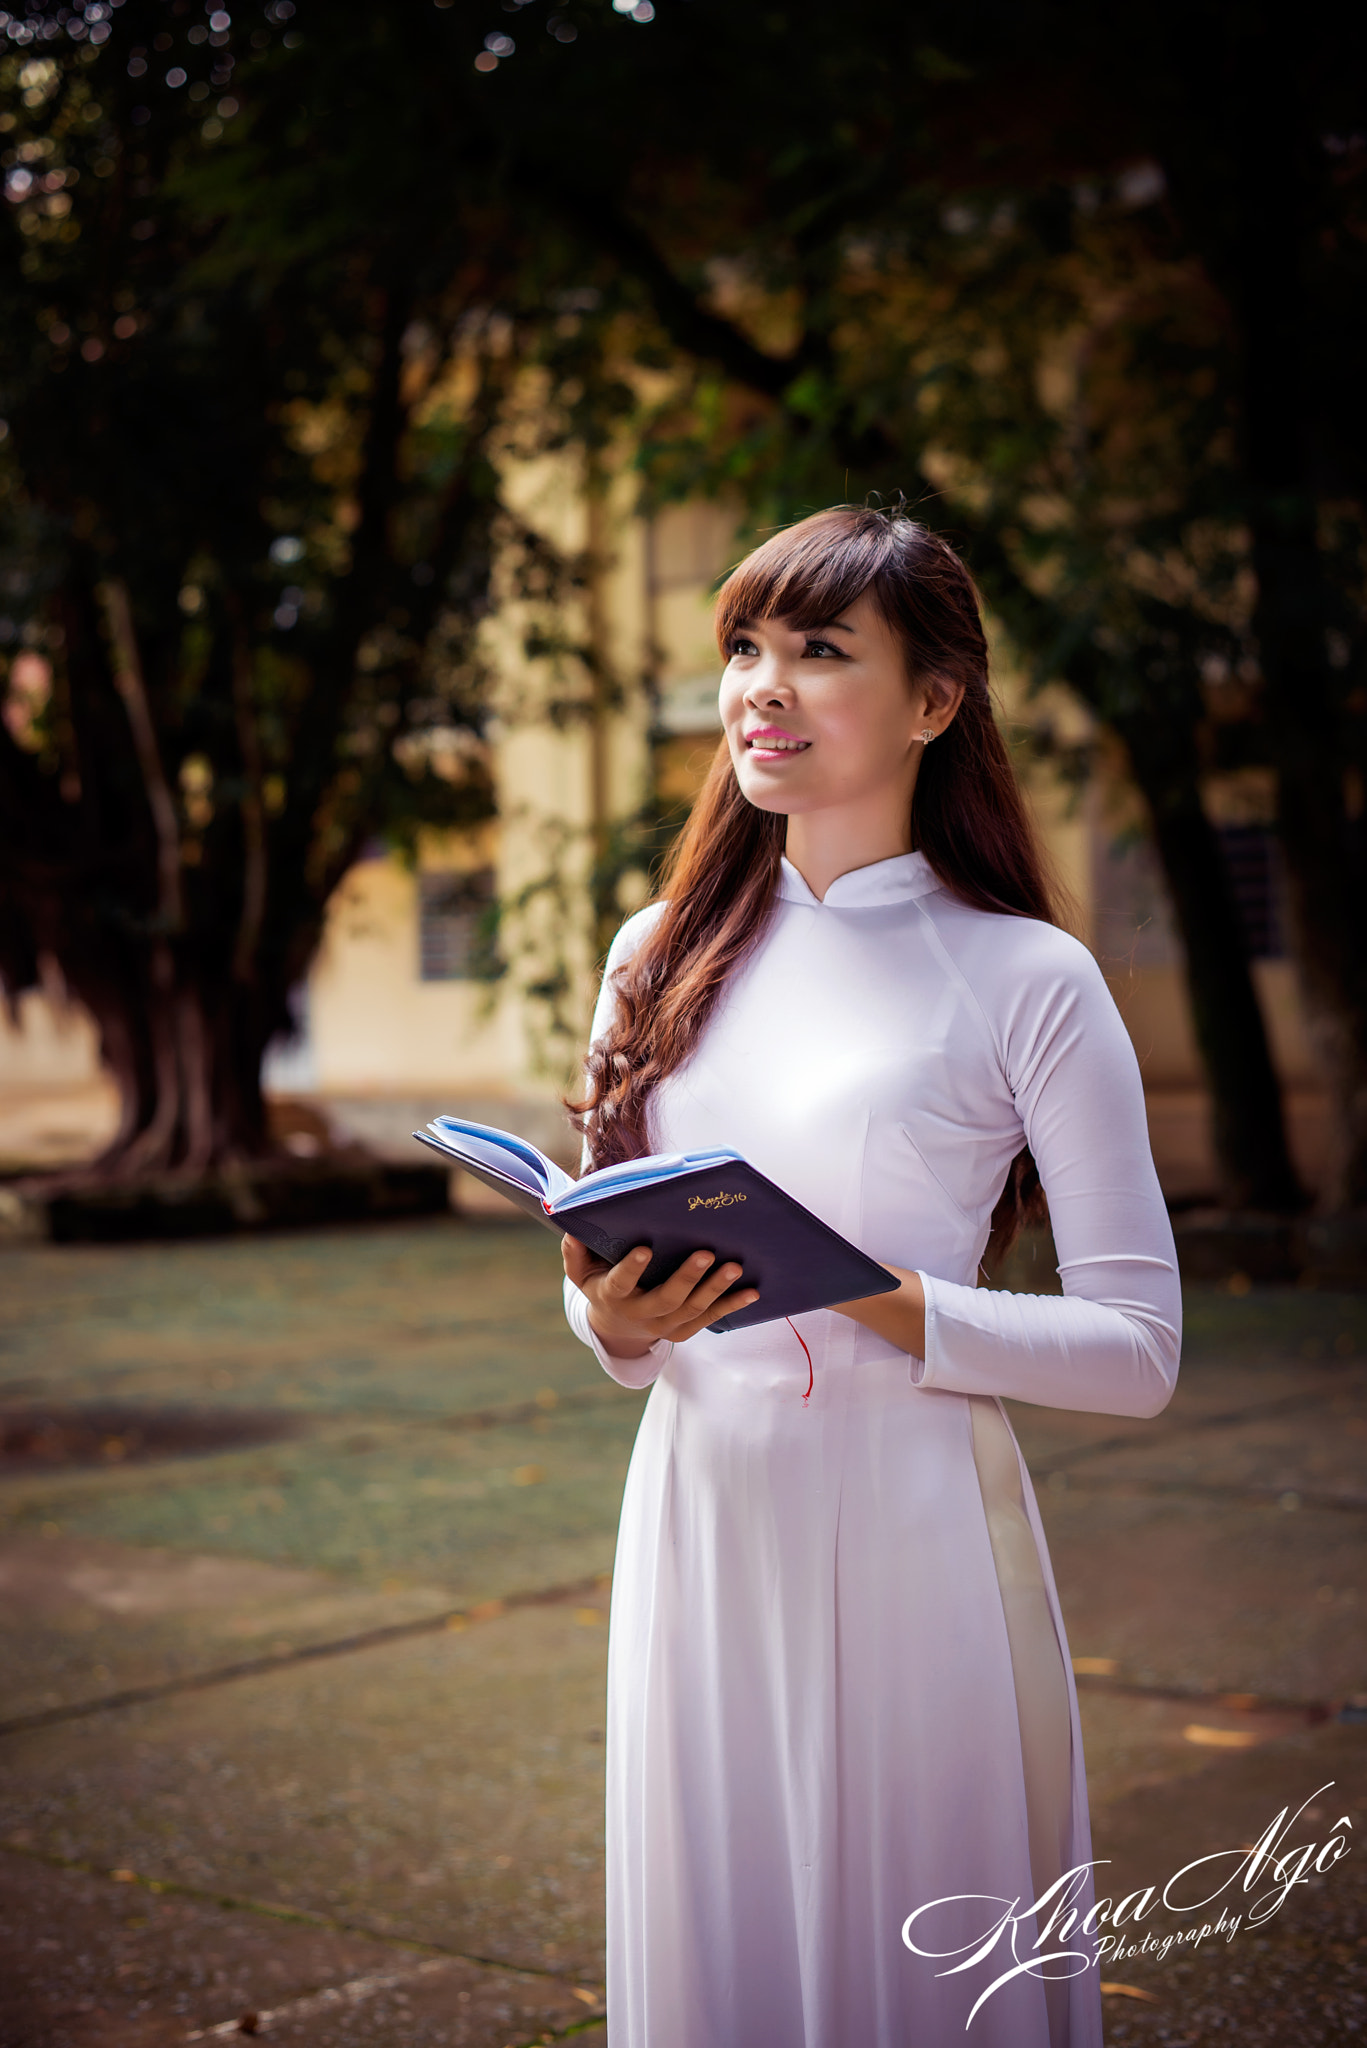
(896, 880)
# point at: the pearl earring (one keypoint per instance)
(927, 736)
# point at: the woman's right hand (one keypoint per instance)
(627, 1321)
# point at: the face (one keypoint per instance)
(828, 717)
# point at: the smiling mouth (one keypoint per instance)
(767, 743)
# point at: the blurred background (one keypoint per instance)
(383, 393)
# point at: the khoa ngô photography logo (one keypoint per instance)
(1229, 1889)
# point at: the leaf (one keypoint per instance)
(1221, 1738)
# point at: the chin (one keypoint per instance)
(785, 790)
(768, 796)
(767, 799)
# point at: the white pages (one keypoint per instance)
(527, 1167)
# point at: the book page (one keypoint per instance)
(635, 1173)
(512, 1157)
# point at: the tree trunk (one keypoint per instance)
(1250, 1138)
(1280, 167)
(186, 1055)
(91, 864)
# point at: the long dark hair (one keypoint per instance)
(720, 881)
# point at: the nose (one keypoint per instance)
(768, 688)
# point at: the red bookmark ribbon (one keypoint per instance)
(811, 1375)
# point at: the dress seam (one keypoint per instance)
(956, 974)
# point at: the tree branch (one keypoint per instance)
(253, 811)
(132, 688)
(702, 333)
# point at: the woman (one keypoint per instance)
(839, 1689)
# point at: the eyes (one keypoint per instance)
(814, 650)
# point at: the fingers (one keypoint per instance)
(740, 1297)
(698, 1293)
(678, 1290)
(623, 1278)
(574, 1258)
(691, 1293)
(675, 1293)
(713, 1297)
(711, 1288)
(579, 1262)
(582, 1264)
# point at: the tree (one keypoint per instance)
(249, 509)
(783, 239)
(866, 231)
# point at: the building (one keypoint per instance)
(465, 983)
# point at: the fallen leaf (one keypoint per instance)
(587, 1617)
(1129, 1991)
(529, 1475)
(1221, 1738)
(124, 1876)
(589, 1997)
(1095, 1667)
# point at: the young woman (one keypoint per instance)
(839, 1688)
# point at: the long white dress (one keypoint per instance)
(839, 1685)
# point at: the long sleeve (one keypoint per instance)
(628, 1372)
(1111, 1344)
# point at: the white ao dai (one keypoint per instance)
(839, 1685)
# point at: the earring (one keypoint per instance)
(927, 736)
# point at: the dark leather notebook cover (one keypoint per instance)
(795, 1260)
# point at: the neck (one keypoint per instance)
(823, 845)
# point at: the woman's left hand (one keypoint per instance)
(900, 1317)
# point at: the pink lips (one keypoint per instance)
(756, 738)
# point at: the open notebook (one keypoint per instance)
(677, 1203)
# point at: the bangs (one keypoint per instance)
(808, 574)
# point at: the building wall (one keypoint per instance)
(48, 1043)
(374, 1025)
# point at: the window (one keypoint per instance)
(1133, 924)
(1133, 919)
(457, 915)
(1254, 862)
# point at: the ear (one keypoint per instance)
(939, 698)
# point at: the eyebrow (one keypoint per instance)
(822, 626)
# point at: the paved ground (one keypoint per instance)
(304, 1547)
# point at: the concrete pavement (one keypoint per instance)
(304, 1545)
